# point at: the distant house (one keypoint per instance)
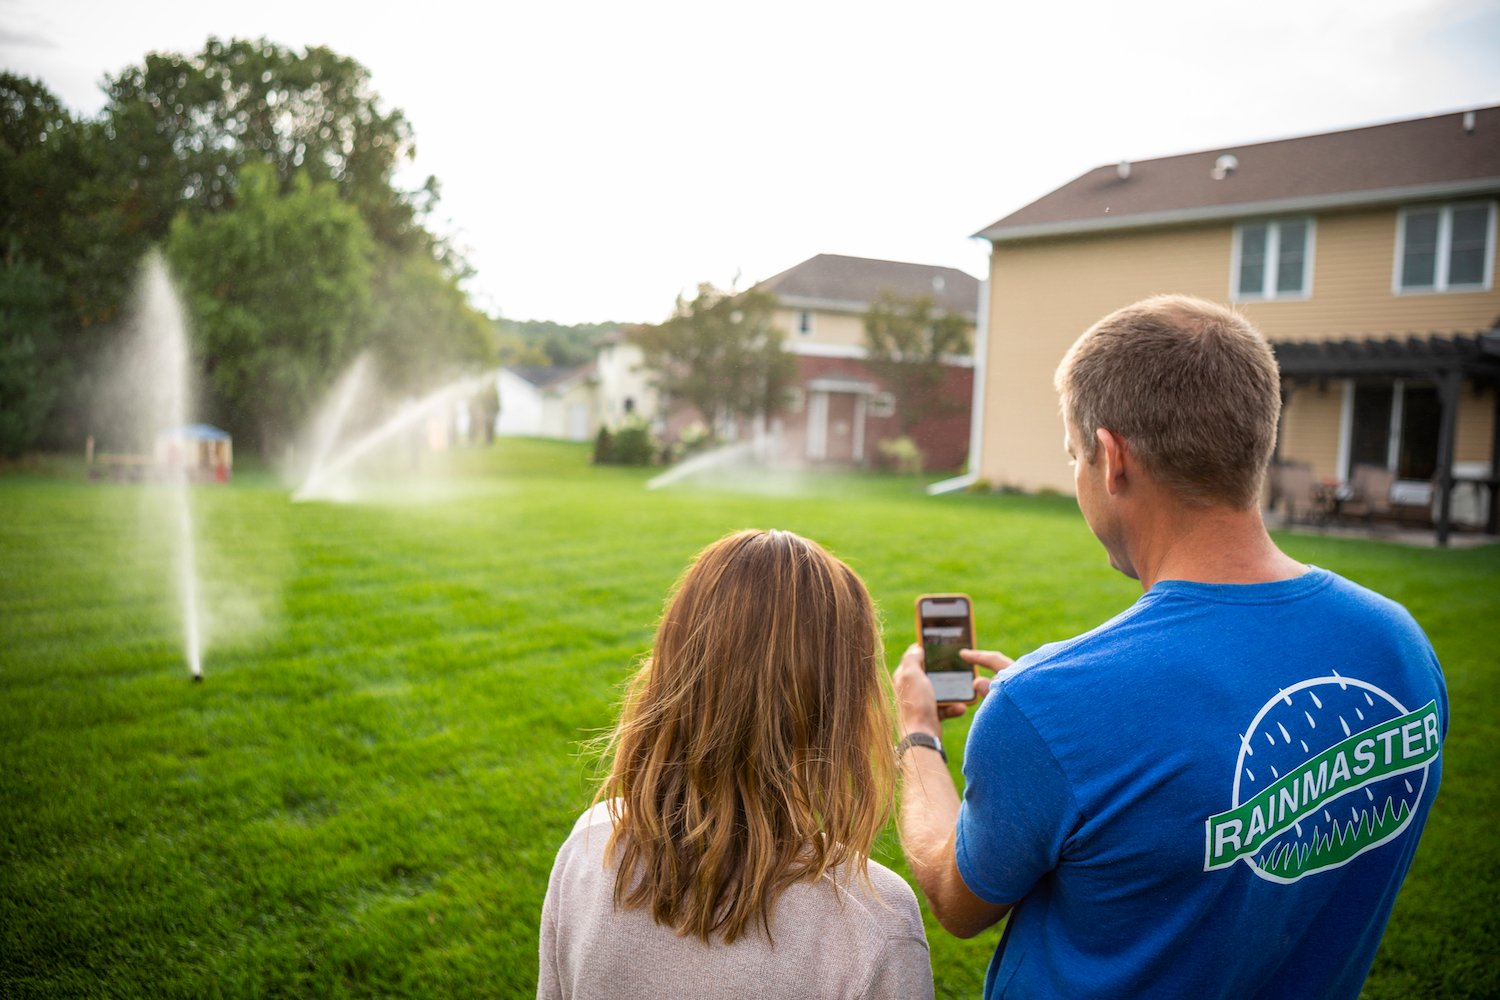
(549, 402)
(1366, 256)
(840, 411)
(624, 388)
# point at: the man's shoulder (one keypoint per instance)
(1104, 639)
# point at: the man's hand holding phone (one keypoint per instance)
(917, 704)
(936, 679)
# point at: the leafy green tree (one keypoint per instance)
(563, 346)
(27, 389)
(907, 341)
(66, 276)
(425, 330)
(85, 200)
(41, 164)
(279, 291)
(183, 126)
(720, 354)
(511, 349)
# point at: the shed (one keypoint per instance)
(199, 451)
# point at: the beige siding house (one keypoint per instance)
(1366, 256)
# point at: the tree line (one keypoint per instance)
(267, 177)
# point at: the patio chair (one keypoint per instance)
(1369, 493)
(1296, 491)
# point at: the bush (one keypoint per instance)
(902, 454)
(631, 444)
(604, 447)
(695, 437)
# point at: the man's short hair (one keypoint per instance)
(1191, 386)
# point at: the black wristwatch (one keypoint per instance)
(920, 739)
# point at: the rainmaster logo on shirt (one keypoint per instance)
(1328, 769)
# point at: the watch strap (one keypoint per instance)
(920, 739)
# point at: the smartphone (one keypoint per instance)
(945, 624)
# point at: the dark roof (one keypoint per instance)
(832, 281)
(544, 376)
(1450, 155)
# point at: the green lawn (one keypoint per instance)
(365, 795)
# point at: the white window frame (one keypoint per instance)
(804, 323)
(1268, 292)
(1444, 249)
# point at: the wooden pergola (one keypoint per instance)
(1449, 361)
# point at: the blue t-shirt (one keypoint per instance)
(1215, 794)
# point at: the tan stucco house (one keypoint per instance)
(1366, 256)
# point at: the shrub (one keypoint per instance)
(695, 437)
(633, 444)
(604, 447)
(902, 454)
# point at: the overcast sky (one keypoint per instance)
(598, 158)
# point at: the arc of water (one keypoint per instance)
(729, 454)
(319, 477)
(326, 433)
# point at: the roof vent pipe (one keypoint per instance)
(1123, 170)
(1468, 123)
(1225, 165)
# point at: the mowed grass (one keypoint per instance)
(365, 795)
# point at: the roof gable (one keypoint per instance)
(1451, 155)
(851, 284)
(550, 377)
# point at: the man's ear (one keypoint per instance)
(1115, 455)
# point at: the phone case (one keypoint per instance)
(937, 675)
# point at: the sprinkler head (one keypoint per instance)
(197, 678)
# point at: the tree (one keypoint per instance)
(26, 385)
(562, 345)
(720, 354)
(182, 127)
(425, 330)
(907, 343)
(279, 292)
(86, 200)
(64, 276)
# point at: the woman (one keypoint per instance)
(727, 853)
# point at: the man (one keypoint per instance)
(1218, 792)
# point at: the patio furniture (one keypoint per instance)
(1369, 493)
(1297, 492)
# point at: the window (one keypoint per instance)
(882, 404)
(1445, 248)
(1395, 426)
(1273, 259)
(804, 323)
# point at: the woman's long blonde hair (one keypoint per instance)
(754, 748)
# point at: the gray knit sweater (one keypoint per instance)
(833, 939)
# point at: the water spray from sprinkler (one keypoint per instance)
(329, 465)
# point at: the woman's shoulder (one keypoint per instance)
(597, 814)
(882, 908)
(893, 889)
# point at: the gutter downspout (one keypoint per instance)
(976, 404)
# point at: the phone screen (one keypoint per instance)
(946, 624)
